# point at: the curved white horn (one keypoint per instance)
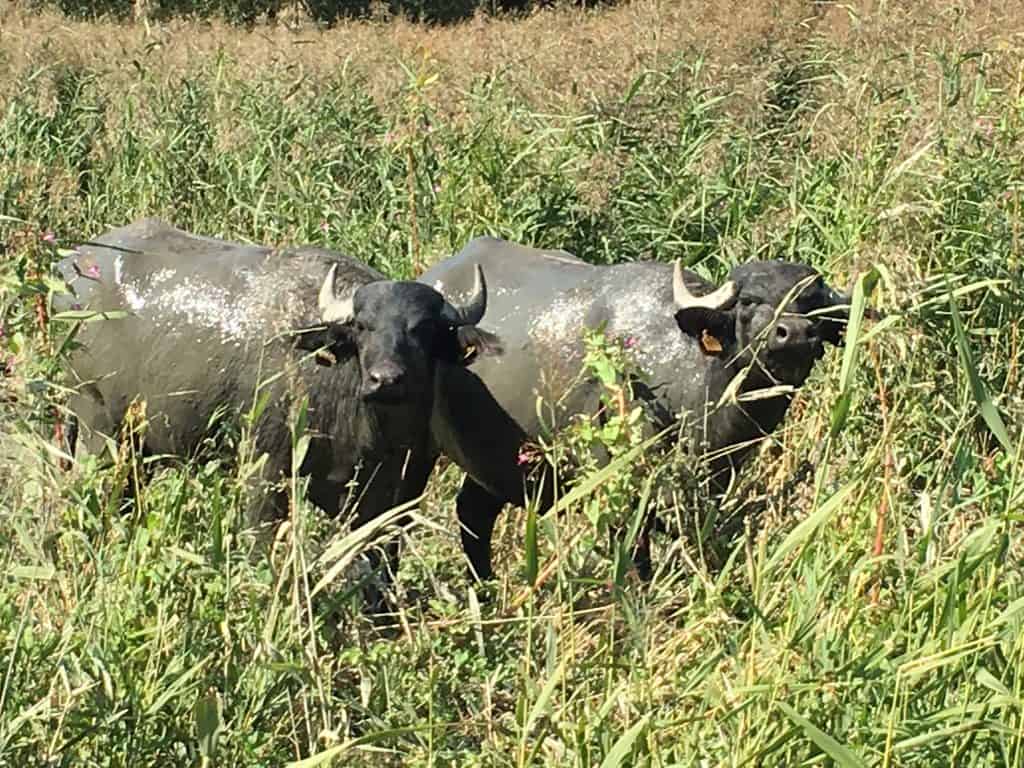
(472, 311)
(720, 298)
(333, 309)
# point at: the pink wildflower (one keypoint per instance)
(48, 237)
(526, 456)
(629, 342)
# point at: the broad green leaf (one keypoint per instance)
(605, 371)
(1011, 612)
(35, 572)
(991, 682)
(843, 756)
(208, 723)
(623, 746)
(299, 453)
(185, 555)
(840, 411)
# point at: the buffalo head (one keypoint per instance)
(773, 313)
(398, 330)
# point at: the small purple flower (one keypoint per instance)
(324, 226)
(93, 271)
(629, 342)
(48, 237)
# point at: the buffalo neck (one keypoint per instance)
(373, 429)
(690, 383)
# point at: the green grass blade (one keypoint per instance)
(530, 545)
(540, 706)
(623, 746)
(803, 532)
(851, 351)
(989, 413)
(838, 752)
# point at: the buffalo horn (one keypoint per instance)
(472, 311)
(718, 299)
(333, 309)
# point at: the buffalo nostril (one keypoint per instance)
(384, 377)
(781, 333)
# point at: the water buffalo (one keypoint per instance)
(768, 323)
(215, 325)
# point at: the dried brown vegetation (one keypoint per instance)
(563, 58)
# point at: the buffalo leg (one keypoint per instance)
(477, 509)
(413, 481)
(642, 551)
(387, 491)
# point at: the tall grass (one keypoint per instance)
(871, 614)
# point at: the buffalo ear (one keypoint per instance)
(708, 326)
(473, 341)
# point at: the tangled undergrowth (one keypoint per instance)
(868, 614)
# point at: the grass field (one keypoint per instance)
(870, 615)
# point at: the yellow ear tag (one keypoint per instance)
(709, 343)
(469, 352)
(325, 357)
